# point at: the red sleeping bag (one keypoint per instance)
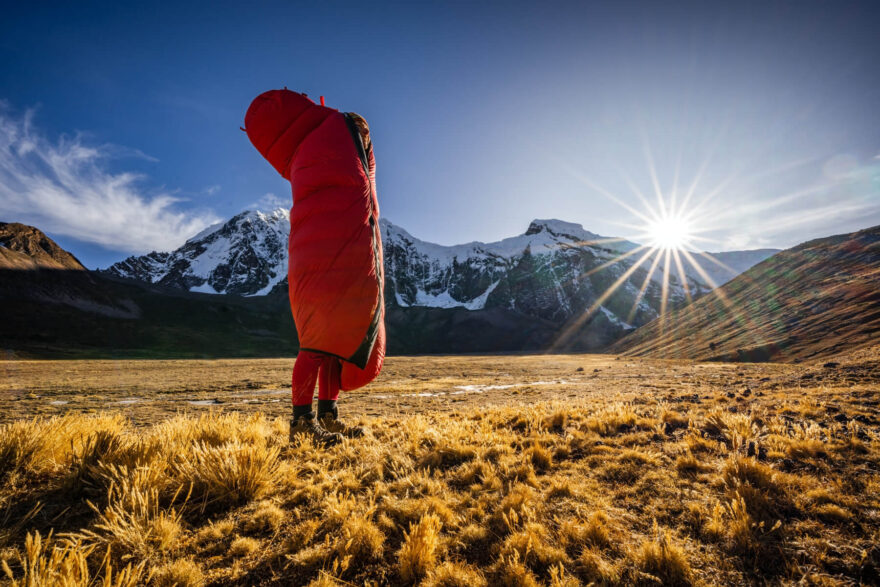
(335, 269)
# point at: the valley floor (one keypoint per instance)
(532, 469)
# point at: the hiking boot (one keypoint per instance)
(333, 424)
(309, 426)
(328, 416)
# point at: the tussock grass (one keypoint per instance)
(182, 572)
(451, 574)
(42, 445)
(614, 419)
(229, 474)
(540, 457)
(266, 517)
(418, 555)
(66, 564)
(665, 560)
(596, 570)
(134, 524)
(361, 540)
(243, 546)
(533, 547)
(511, 571)
(536, 493)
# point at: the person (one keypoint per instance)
(335, 265)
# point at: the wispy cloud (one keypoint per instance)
(65, 187)
(270, 202)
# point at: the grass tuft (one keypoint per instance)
(181, 572)
(229, 474)
(243, 546)
(665, 560)
(418, 555)
(452, 574)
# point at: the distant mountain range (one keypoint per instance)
(816, 300)
(519, 294)
(551, 272)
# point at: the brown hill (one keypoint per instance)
(25, 247)
(814, 301)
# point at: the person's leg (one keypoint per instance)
(305, 373)
(329, 383)
(304, 422)
(329, 380)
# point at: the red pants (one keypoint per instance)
(310, 367)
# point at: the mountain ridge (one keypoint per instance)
(554, 272)
(246, 255)
(27, 247)
(828, 291)
(813, 301)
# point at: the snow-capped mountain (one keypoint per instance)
(554, 271)
(426, 274)
(246, 255)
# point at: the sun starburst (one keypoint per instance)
(666, 266)
(670, 232)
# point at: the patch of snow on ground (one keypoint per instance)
(481, 388)
(265, 392)
(476, 388)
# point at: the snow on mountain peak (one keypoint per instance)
(209, 230)
(560, 227)
(540, 272)
(246, 255)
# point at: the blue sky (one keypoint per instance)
(119, 122)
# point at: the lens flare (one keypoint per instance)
(665, 248)
(670, 232)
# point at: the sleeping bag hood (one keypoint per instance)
(335, 270)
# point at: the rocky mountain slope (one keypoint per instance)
(247, 255)
(813, 301)
(26, 247)
(551, 272)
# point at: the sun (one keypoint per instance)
(670, 232)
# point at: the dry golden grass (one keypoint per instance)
(418, 555)
(644, 473)
(177, 573)
(44, 562)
